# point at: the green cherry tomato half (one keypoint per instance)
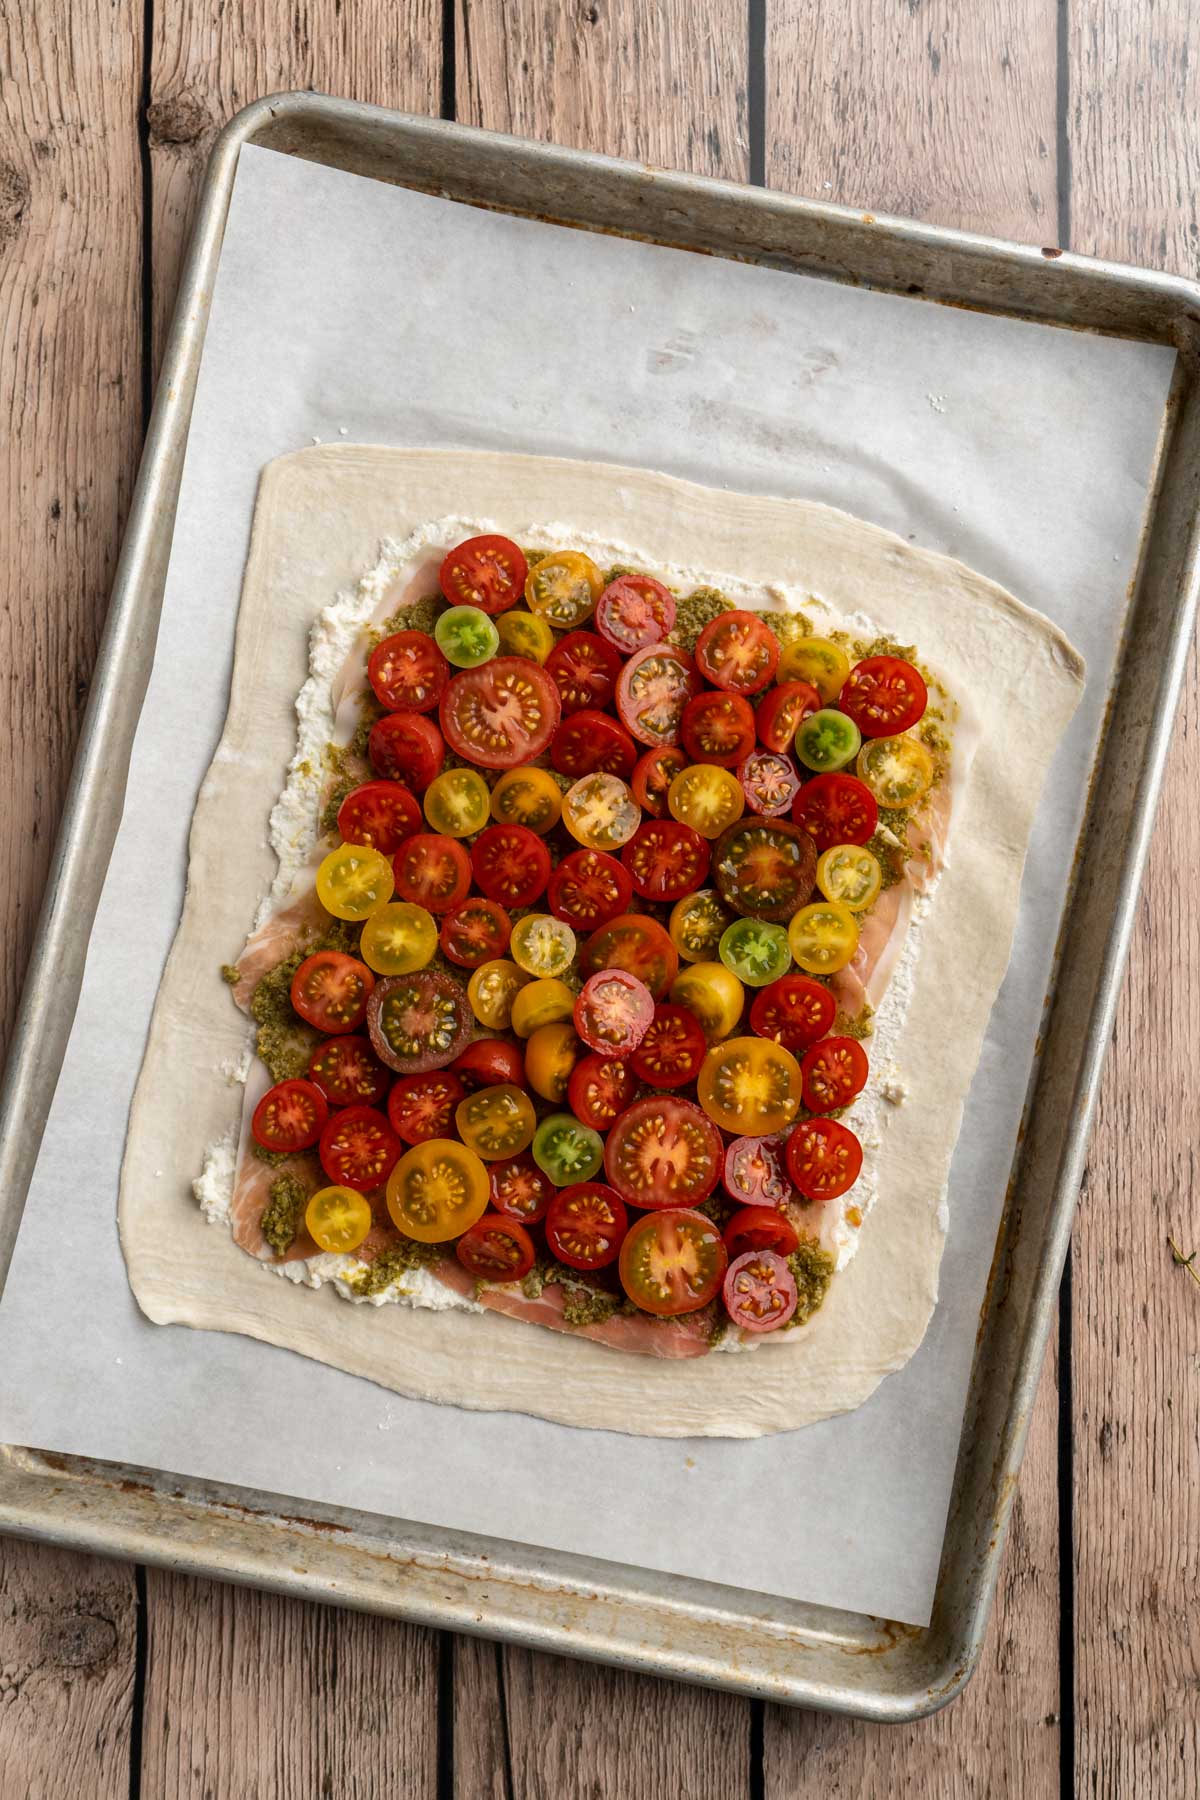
(827, 740)
(466, 637)
(566, 1150)
(756, 951)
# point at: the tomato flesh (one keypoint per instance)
(666, 860)
(407, 672)
(380, 814)
(760, 1228)
(633, 612)
(824, 1158)
(637, 944)
(330, 990)
(348, 1073)
(587, 741)
(290, 1116)
(588, 888)
(672, 1262)
(488, 572)
(769, 781)
(359, 1148)
(488, 1062)
(652, 777)
(836, 809)
(833, 1072)
(756, 1172)
(419, 1022)
(584, 669)
(586, 1225)
(474, 931)
(760, 1291)
(718, 728)
(432, 870)
(764, 868)
(884, 695)
(408, 747)
(496, 1248)
(794, 1011)
(503, 713)
(520, 1189)
(599, 1088)
(672, 1050)
(422, 1106)
(663, 1151)
(738, 651)
(613, 1013)
(511, 864)
(654, 687)
(782, 712)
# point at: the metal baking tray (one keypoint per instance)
(752, 1644)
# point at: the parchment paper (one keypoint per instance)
(343, 306)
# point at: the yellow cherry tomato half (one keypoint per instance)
(696, 924)
(437, 1191)
(563, 588)
(550, 1054)
(457, 802)
(542, 945)
(851, 874)
(706, 798)
(823, 937)
(750, 1086)
(354, 881)
(824, 665)
(542, 1003)
(529, 797)
(898, 770)
(524, 634)
(491, 991)
(601, 812)
(496, 1122)
(714, 994)
(399, 938)
(337, 1219)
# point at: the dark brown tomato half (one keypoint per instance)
(419, 1022)
(765, 868)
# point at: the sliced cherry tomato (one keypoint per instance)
(652, 777)
(671, 1052)
(543, 946)
(718, 728)
(551, 1053)
(408, 672)
(488, 572)
(348, 1072)
(544, 1001)
(794, 1011)
(756, 950)
(567, 1150)
(529, 797)
(760, 1291)
(600, 1087)
(380, 814)
(764, 868)
(756, 1172)
(781, 713)
(587, 741)
(851, 874)
(511, 864)
(406, 746)
(418, 1022)
(496, 1122)
(585, 670)
(818, 661)
(520, 1190)
(437, 1191)
(337, 1219)
(833, 1072)
(666, 860)
(290, 1116)
(588, 888)
(714, 994)
(637, 944)
(432, 871)
(487, 1062)
(836, 809)
(654, 687)
(898, 770)
(823, 937)
(330, 990)
(354, 881)
(613, 1012)
(738, 651)
(828, 740)
(466, 636)
(422, 1106)
(696, 924)
(495, 1249)
(600, 812)
(399, 938)
(633, 612)
(663, 1151)
(503, 713)
(491, 991)
(458, 802)
(884, 695)
(672, 1262)
(824, 1158)
(359, 1147)
(769, 782)
(708, 798)
(760, 1228)
(522, 633)
(474, 931)
(750, 1086)
(563, 588)
(586, 1225)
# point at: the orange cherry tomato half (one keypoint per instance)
(586, 1225)
(833, 1073)
(496, 1248)
(488, 572)
(290, 1116)
(824, 1158)
(672, 1262)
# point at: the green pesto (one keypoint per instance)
(693, 613)
(391, 1264)
(421, 616)
(284, 1042)
(231, 973)
(332, 806)
(274, 1159)
(895, 820)
(617, 570)
(285, 1052)
(583, 1305)
(533, 1283)
(885, 646)
(889, 858)
(719, 1332)
(813, 1269)
(934, 738)
(788, 627)
(860, 1028)
(718, 1207)
(281, 1217)
(370, 714)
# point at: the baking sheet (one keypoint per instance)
(347, 309)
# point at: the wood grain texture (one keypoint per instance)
(67, 1657)
(1134, 135)
(262, 1698)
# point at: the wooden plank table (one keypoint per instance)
(1072, 122)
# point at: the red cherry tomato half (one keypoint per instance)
(474, 931)
(489, 1062)
(718, 728)
(348, 1072)
(782, 712)
(663, 1151)
(408, 672)
(584, 669)
(432, 871)
(511, 864)
(330, 990)
(756, 1171)
(637, 944)
(833, 1072)
(769, 782)
(380, 814)
(586, 1225)
(588, 888)
(884, 695)
(672, 1050)
(760, 1228)
(290, 1116)
(633, 612)
(587, 741)
(520, 1190)
(488, 572)
(598, 1088)
(422, 1106)
(495, 1248)
(836, 809)
(737, 651)
(502, 713)
(406, 746)
(672, 1262)
(795, 1011)
(666, 860)
(359, 1147)
(654, 687)
(613, 1012)
(760, 1291)
(824, 1158)
(653, 774)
